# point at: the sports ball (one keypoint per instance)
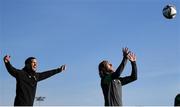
(169, 11)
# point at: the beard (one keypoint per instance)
(111, 71)
(33, 69)
(30, 69)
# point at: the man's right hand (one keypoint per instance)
(125, 51)
(7, 58)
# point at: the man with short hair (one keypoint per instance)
(111, 82)
(27, 78)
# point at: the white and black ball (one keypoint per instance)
(169, 11)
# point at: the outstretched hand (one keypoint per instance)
(125, 52)
(7, 58)
(62, 68)
(131, 56)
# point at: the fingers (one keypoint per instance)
(134, 56)
(125, 51)
(131, 56)
(7, 58)
(63, 67)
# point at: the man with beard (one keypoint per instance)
(27, 78)
(111, 82)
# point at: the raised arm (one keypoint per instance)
(133, 76)
(9, 67)
(119, 70)
(47, 74)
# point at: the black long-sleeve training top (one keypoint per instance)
(112, 83)
(26, 83)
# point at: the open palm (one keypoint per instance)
(131, 56)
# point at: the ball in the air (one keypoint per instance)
(169, 11)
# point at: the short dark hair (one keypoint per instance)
(102, 68)
(28, 60)
(177, 100)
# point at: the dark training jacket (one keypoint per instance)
(26, 83)
(112, 83)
